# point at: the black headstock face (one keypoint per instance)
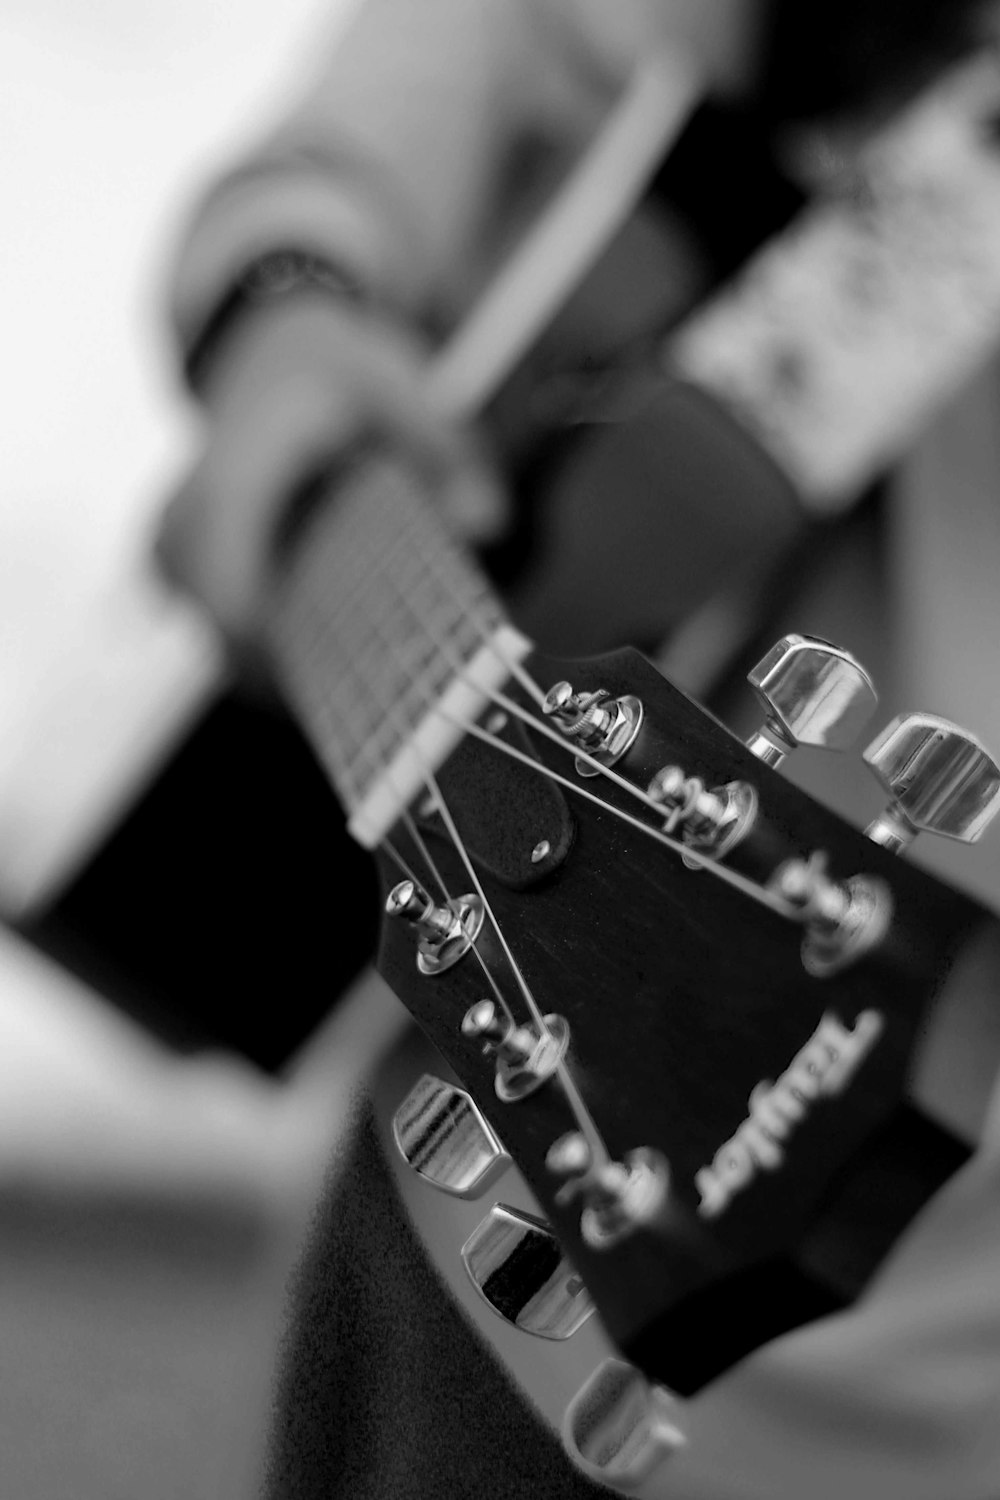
(696, 1031)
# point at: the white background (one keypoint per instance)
(113, 113)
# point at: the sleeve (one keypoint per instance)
(428, 124)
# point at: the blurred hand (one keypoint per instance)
(297, 383)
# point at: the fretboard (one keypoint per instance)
(388, 640)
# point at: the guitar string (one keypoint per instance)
(440, 576)
(747, 887)
(516, 669)
(425, 853)
(725, 873)
(365, 685)
(376, 626)
(362, 558)
(431, 786)
(369, 559)
(582, 1116)
(579, 1110)
(739, 882)
(341, 704)
(421, 687)
(401, 861)
(434, 574)
(421, 621)
(599, 1152)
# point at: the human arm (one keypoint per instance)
(397, 171)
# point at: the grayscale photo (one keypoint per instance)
(499, 738)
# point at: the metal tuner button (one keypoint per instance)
(813, 694)
(939, 778)
(442, 1135)
(618, 1428)
(517, 1264)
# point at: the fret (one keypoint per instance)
(335, 594)
(395, 620)
(436, 736)
(411, 590)
(378, 622)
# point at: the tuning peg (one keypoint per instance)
(618, 1427)
(617, 1196)
(442, 1134)
(605, 727)
(527, 1056)
(516, 1263)
(485, 1022)
(710, 820)
(444, 933)
(814, 694)
(843, 919)
(940, 779)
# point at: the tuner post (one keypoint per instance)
(813, 693)
(604, 727)
(498, 1032)
(940, 779)
(711, 822)
(444, 933)
(618, 1197)
(843, 920)
(527, 1056)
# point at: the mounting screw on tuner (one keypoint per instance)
(444, 933)
(940, 779)
(605, 727)
(814, 694)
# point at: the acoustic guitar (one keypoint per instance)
(680, 996)
(677, 1008)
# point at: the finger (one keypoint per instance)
(446, 454)
(475, 504)
(218, 529)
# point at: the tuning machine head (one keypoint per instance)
(940, 780)
(617, 1196)
(606, 728)
(619, 1428)
(444, 933)
(526, 1056)
(814, 694)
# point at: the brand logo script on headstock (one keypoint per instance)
(825, 1065)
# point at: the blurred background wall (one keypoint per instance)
(149, 1205)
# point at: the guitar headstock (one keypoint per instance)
(682, 996)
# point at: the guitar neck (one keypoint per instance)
(384, 633)
(387, 637)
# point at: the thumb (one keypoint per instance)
(475, 503)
